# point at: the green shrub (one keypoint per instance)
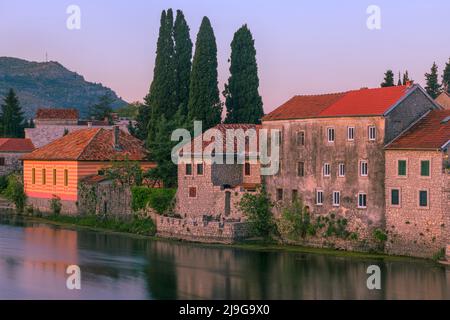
(379, 235)
(3, 183)
(55, 205)
(296, 221)
(159, 199)
(440, 255)
(15, 193)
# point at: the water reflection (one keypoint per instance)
(34, 257)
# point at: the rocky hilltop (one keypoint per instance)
(51, 85)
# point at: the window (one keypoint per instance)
(401, 167)
(423, 198)
(319, 197)
(372, 133)
(330, 134)
(350, 133)
(192, 192)
(33, 176)
(362, 200)
(294, 194)
(341, 170)
(54, 177)
(425, 168)
(247, 170)
(301, 169)
(363, 168)
(2, 161)
(200, 169)
(279, 194)
(395, 197)
(326, 170)
(44, 176)
(336, 198)
(301, 138)
(188, 169)
(66, 177)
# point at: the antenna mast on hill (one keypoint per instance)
(46, 56)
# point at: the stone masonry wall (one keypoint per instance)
(12, 163)
(413, 230)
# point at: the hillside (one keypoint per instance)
(49, 84)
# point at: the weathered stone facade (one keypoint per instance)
(412, 229)
(11, 162)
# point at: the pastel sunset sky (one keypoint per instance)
(303, 47)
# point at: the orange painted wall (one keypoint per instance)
(77, 170)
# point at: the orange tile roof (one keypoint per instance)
(431, 132)
(16, 145)
(351, 103)
(93, 144)
(68, 114)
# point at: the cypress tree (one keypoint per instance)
(433, 87)
(242, 99)
(388, 79)
(12, 120)
(399, 83)
(204, 102)
(405, 78)
(183, 56)
(446, 77)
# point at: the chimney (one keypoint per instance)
(116, 134)
(409, 83)
(89, 124)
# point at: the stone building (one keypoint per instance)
(211, 189)
(11, 150)
(51, 124)
(418, 187)
(57, 169)
(332, 150)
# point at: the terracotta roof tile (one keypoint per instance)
(68, 114)
(94, 144)
(431, 132)
(16, 145)
(351, 103)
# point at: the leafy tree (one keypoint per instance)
(183, 56)
(103, 108)
(405, 78)
(12, 120)
(258, 210)
(296, 221)
(242, 99)
(388, 79)
(125, 172)
(204, 102)
(15, 192)
(432, 87)
(130, 111)
(446, 77)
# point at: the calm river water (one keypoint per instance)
(34, 258)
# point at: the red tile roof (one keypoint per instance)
(95, 144)
(431, 132)
(351, 103)
(16, 145)
(67, 114)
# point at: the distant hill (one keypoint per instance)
(49, 84)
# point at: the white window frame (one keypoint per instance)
(374, 137)
(341, 169)
(359, 197)
(324, 171)
(331, 129)
(319, 191)
(352, 130)
(361, 162)
(338, 203)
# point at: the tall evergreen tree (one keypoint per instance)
(432, 87)
(162, 98)
(12, 120)
(204, 101)
(103, 108)
(405, 78)
(242, 99)
(388, 79)
(183, 56)
(399, 82)
(446, 76)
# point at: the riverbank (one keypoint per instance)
(253, 245)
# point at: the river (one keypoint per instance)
(34, 257)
